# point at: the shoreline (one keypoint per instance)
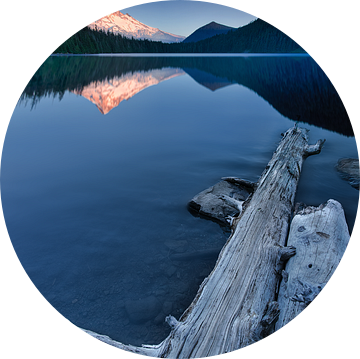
(190, 54)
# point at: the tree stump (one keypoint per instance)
(320, 235)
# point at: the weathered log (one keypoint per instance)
(320, 236)
(236, 304)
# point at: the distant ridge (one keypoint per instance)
(206, 31)
(256, 37)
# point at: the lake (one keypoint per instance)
(103, 153)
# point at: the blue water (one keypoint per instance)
(96, 205)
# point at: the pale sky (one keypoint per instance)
(184, 17)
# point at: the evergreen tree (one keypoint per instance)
(256, 37)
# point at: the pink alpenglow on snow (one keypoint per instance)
(127, 26)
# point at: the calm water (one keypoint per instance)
(103, 154)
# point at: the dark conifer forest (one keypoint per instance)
(256, 37)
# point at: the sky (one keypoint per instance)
(184, 17)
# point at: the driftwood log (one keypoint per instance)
(236, 304)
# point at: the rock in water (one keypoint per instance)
(348, 169)
(212, 202)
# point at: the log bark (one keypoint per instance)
(236, 304)
(320, 235)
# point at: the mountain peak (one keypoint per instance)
(208, 30)
(127, 26)
(215, 25)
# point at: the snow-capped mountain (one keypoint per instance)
(127, 26)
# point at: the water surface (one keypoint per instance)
(102, 155)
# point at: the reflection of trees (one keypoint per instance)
(296, 87)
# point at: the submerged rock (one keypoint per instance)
(196, 255)
(176, 245)
(140, 311)
(348, 169)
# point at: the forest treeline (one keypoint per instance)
(256, 37)
(296, 87)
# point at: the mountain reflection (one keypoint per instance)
(295, 86)
(108, 94)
